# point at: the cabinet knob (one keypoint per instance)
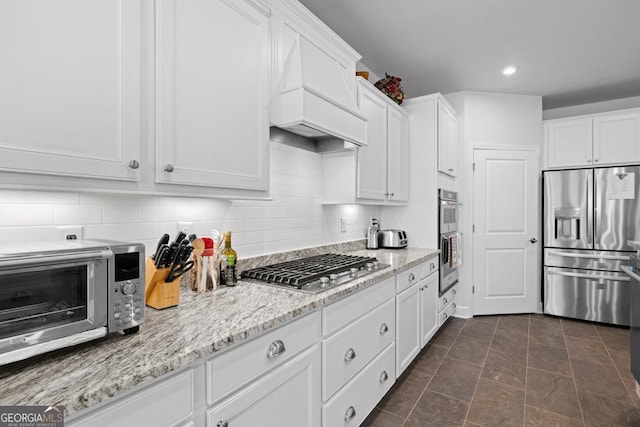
(275, 349)
(384, 328)
(349, 355)
(392, 194)
(588, 160)
(454, 305)
(596, 160)
(444, 316)
(134, 164)
(169, 168)
(445, 301)
(454, 292)
(384, 376)
(412, 277)
(222, 424)
(450, 170)
(349, 413)
(433, 266)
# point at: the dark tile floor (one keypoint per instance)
(516, 370)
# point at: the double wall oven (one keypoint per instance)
(449, 238)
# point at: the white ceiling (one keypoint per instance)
(569, 51)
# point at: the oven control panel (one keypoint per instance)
(126, 289)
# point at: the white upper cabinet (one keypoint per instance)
(70, 85)
(597, 139)
(397, 154)
(372, 160)
(569, 142)
(379, 172)
(447, 139)
(616, 138)
(212, 90)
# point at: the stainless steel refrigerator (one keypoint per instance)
(588, 217)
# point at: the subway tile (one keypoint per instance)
(52, 197)
(12, 196)
(77, 214)
(12, 234)
(142, 231)
(38, 233)
(23, 214)
(122, 213)
(105, 231)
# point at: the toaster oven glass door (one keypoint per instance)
(44, 302)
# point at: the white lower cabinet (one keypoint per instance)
(351, 405)
(416, 315)
(286, 397)
(447, 304)
(169, 402)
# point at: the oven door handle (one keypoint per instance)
(40, 259)
(590, 256)
(589, 276)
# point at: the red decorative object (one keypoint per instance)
(390, 86)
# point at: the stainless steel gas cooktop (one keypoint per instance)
(316, 273)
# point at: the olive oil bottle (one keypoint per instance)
(228, 260)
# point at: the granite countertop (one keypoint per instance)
(170, 339)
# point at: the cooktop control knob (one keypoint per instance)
(333, 277)
(354, 271)
(369, 266)
(375, 264)
(324, 281)
(128, 288)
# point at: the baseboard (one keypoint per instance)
(463, 312)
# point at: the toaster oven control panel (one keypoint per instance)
(127, 307)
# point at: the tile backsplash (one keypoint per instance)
(293, 219)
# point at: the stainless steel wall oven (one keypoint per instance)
(448, 237)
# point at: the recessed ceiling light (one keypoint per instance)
(510, 70)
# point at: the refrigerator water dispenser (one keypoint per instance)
(567, 221)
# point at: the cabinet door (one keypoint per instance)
(397, 155)
(447, 140)
(212, 127)
(569, 143)
(70, 88)
(286, 397)
(372, 159)
(407, 327)
(428, 308)
(616, 138)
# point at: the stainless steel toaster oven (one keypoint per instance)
(57, 294)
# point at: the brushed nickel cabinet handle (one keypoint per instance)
(275, 349)
(222, 424)
(445, 301)
(412, 277)
(134, 164)
(349, 355)
(169, 168)
(349, 413)
(384, 376)
(384, 329)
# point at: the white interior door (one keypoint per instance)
(505, 216)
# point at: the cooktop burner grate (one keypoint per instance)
(306, 270)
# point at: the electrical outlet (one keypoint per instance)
(343, 225)
(185, 227)
(65, 232)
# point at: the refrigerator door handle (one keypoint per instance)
(594, 256)
(629, 270)
(590, 213)
(589, 276)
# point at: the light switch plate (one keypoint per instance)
(185, 227)
(343, 225)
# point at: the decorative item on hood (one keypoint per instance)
(363, 74)
(390, 86)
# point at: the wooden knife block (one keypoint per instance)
(158, 293)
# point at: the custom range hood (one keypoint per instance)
(316, 95)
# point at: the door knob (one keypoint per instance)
(533, 240)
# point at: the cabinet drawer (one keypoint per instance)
(445, 299)
(429, 266)
(347, 310)
(351, 405)
(346, 352)
(447, 312)
(166, 403)
(408, 278)
(238, 366)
